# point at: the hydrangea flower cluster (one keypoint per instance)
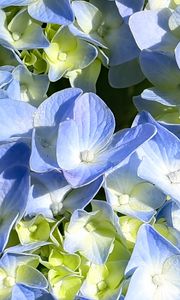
(89, 212)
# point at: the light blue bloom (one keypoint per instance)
(86, 146)
(21, 32)
(49, 11)
(95, 20)
(131, 195)
(94, 24)
(155, 267)
(160, 159)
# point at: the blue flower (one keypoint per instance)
(161, 159)
(131, 195)
(86, 146)
(154, 266)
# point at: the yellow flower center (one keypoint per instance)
(87, 156)
(16, 36)
(90, 227)
(9, 281)
(123, 199)
(157, 279)
(62, 56)
(102, 285)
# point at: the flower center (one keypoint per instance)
(123, 199)
(33, 228)
(157, 279)
(102, 285)
(90, 227)
(62, 56)
(16, 36)
(174, 177)
(87, 156)
(9, 281)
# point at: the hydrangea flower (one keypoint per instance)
(50, 11)
(94, 23)
(94, 149)
(161, 161)
(81, 140)
(131, 195)
(154, 266)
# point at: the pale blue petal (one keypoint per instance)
(50, 113)
(12, 154)
(126, 74)
(14, 184)
(94, 120)
(127, 7)
(17, 121)
(151, 30)
(24, 292)
(48, 11)
(80, 197)
(177, 54)
(166, 74)
(161, 159)
(121, 45)
(151, 248)
(5, 3)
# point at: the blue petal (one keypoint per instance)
(128, 7)
(12, 154)
(50, 113)
(166, 74)
(48, 11)
(126, 74)
(14, 183)
(150, 248)
(151, 30)
(5, 3)
(23, 292)
(17, 121)
(177, 54)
